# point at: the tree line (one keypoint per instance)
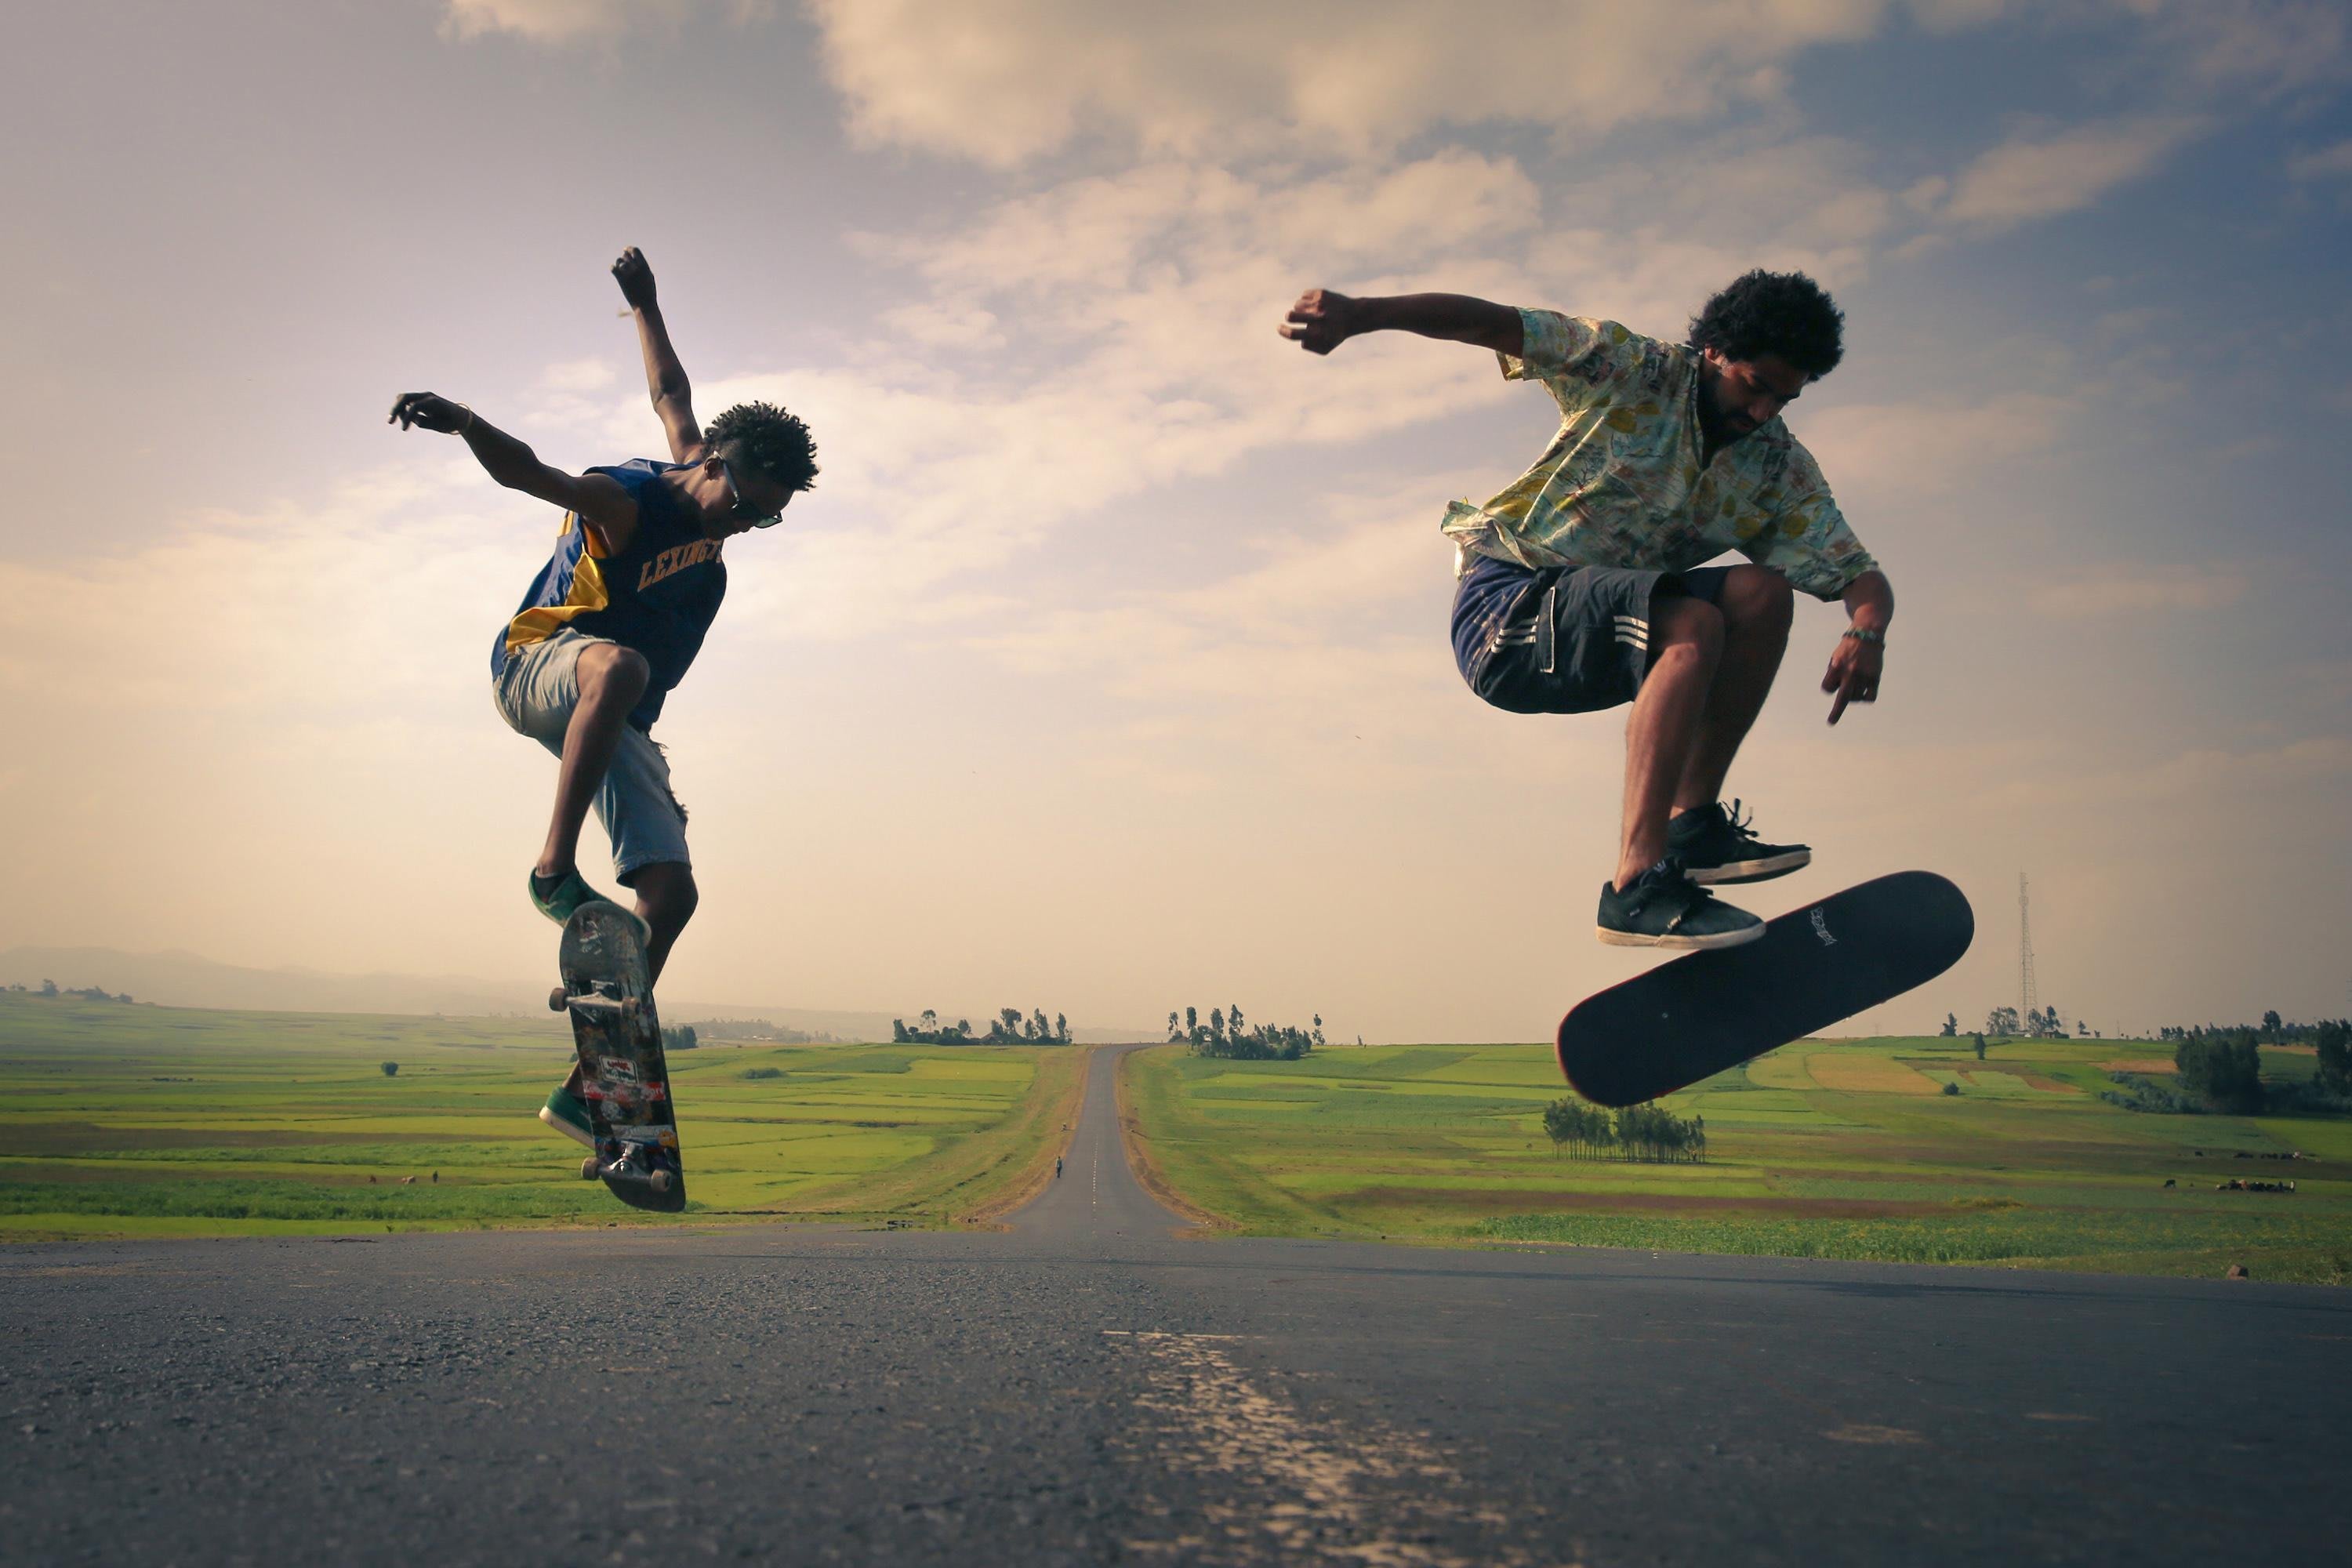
(2038, 1024)
(1007, 1028)
(1227, 1036)
(2220, 1068)
(1646, 1132)
(88, 994)
(759, 1029)
(2273, 1030)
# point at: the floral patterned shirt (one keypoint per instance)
(1620, 484)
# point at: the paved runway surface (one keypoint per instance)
(1089, 1388)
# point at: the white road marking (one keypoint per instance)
(1291, 1486)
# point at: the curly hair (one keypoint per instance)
(769, 441)
(1783, 313)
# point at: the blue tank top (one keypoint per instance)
(657, 596)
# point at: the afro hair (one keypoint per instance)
(1783, 313)
(769, 441)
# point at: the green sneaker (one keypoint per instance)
(567, 1114)
(1665, 907)
(558, 898)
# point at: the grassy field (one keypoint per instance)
(1825, 1147)
(138, 1121)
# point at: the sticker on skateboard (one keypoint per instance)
(607, 990)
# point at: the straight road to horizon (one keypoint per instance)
(1091, 1386)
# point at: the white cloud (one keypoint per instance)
(2124, 588)
(1001, 81)
(1084, 346)
(1924, 452)
(1952, 16)
(2264, 46)
(318, 608)
(575, 21)
(592, 374)
(2216, 778)
(2039, 176)
(2326, 163)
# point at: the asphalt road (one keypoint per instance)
(1088, 1387)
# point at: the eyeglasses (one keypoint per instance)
(743, 510)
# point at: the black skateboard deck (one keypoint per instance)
(1690, 1019)
(623, 1078)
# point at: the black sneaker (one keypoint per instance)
(1665, 907)
(1715, 845)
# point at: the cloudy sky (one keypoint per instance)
(1107, 667)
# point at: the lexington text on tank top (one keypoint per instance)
(657, 596)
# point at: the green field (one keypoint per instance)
(139, 1121)
(1824, 1148)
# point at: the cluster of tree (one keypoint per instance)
(2042, 1025)
(1007, 1028)
(681, 1039)
(2334, 1038)
(1952, 1030)
(2273, 1030)
(716, 1029)
(2139, 1093)
(2221, 1066)
(88, 993)
(1227, 1036)
(1650, 1132)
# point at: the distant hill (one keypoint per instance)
(180, 979)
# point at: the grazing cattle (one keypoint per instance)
(2167, 1181)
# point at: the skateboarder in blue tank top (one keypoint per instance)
(1584, 585)
(615, 618)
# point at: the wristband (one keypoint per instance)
(1859, 635)
(469, 425)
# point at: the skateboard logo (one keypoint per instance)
(1822, 927)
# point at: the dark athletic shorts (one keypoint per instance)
(1566, 639)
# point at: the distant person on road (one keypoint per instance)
(1582, 585)
(615, 618)
(1057, 1167)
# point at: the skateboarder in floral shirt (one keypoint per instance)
(615, 617)
(1581, 585)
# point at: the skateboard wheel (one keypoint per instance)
(589, 1169)
(556, 999)
(658, 1182)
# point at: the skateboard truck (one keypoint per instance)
(559, 999)
(625, 1167)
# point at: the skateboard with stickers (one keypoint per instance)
(1674, 1026)
(623, 1077)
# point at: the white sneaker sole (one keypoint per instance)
(1770, 866)
(1681, 943)
(559, 1125)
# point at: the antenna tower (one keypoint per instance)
(2026, 1000)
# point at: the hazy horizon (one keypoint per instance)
(1107, 664)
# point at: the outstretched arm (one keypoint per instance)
(598, 499)
(1323, 319)
(665, 377)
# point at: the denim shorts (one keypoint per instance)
(535, 696)
(1566, 639)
